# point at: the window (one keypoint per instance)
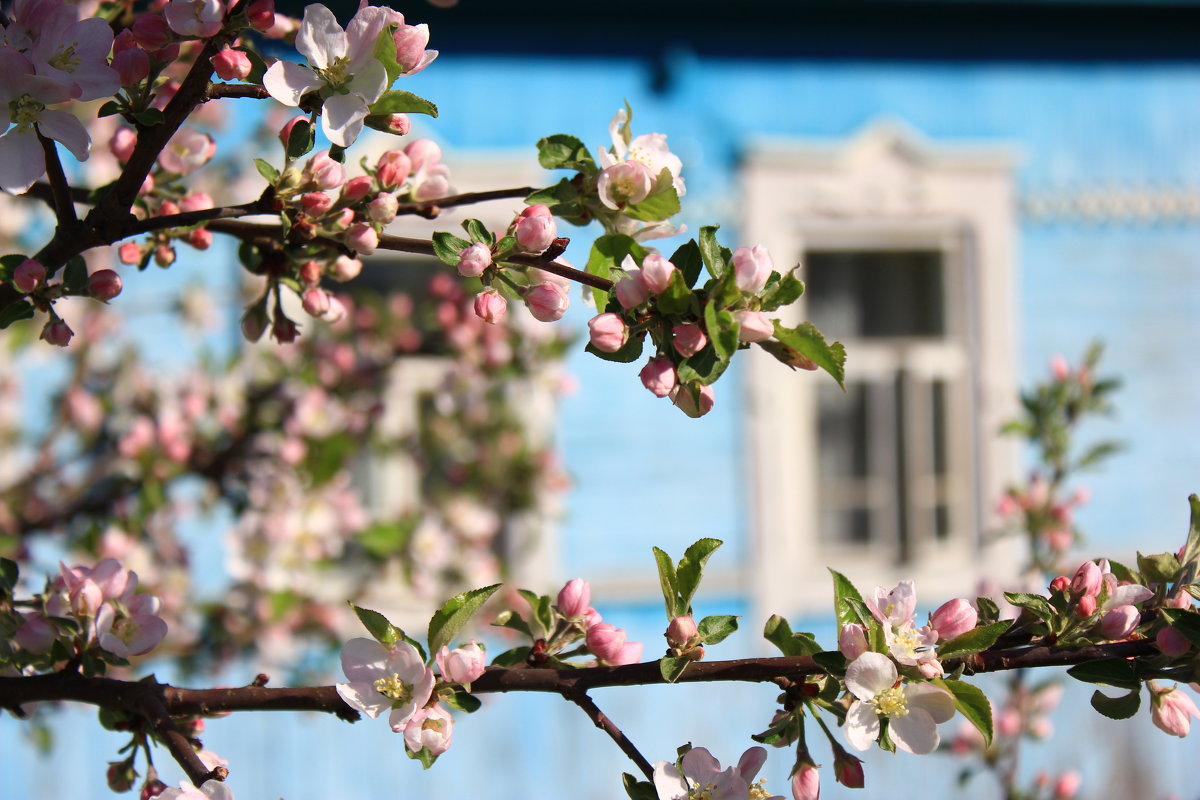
(906, 251)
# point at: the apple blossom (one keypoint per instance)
(209, 790)
(605, 640)
(573, 598)
(194, 18)
(187, 151)
(28, 275)
(382, 678)
(1171, 709)
(751, 268)
(25, 95)
(356, 188)
(65, 49)
(122, 143)
(608, 332)
(429, 729)
(753, 326)
(547, 301)
(694, 406)
(340, 61)
(134, 633)
(913, 709)
(659, 376)
(631, 291)
(649, 150)
(473, 260)
(702, 777)
(35, 634)
(490, 306)
(688, 338)
(462, 664)
(656, 273)
(626, 183)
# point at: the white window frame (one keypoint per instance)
(883, 189)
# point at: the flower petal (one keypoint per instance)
(363, 697)
(67, 129)
(915, 732)
(933, 699)
(370, 81)
(364, 660)
(342, 118)
(700, 765)
(21, 161)
(870, 674)
(288, 82)
(862, 725)
(668, 783)
(321, 39)
(751, 762)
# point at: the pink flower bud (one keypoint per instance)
(164, 255)
(35, 634)
(151, 32)
(490, 306)
(1087, 579)
(120, 776)
(848, 770)
(573, 598)
(1060, 584)
(315, 204)
(383, 208)
(122, 143)
(423, 153)
(754, 326)
(28, 275)
(57, 333)
(324, 172)
(232, 65)
(254, 323)
(1086, 606)
(852, 640)
(104, 285)
(410, 41)
(680, 632)
(1172, 643)
(362, 238)
(930, 668)
(284, 330)
(659, 376)
(132, 66)
(605, 641)
(689, 339)
(167, 208)
(535, 233)
(196, 201)
(393, 167)
(285, 133)
(1067, 786)
(473, 260)
(608, 332)
(547, 301)
(954, 619)
(630, 290)
(631, 653)
(591, 618)
(697, 406)
(751, 268)
(806, 783)
(1059, 368)
(356, 188)
(463, 664)
(346, 268)
(1119, 622)
(1171, 710)
(656, 273)
(200, 238)
(310, 273)
(398, 124)
(316, 302)
(262, 14)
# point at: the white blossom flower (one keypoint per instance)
(342, 64)
(650, 150)
(382, 678)
(913, 709)
(25, 95)
(703, 779)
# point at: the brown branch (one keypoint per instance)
(605, 724)
(218, 91)
(60, 189)
(432, 208)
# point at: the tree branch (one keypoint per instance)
(605, 724)
(432, 208)
(64, 209)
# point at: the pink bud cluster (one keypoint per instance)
(606, 641)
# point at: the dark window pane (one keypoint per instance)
(846, 526)
(876, 294)
(940, 458)
(842, 434)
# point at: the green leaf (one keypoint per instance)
(300, 140)
(455, 614)
(447, 246)
(783, 731)
(688, 261)
(832, 661)
(677, 298)
(988, 610)
(1159, 568)
(973, 704)
(563, 201)
(843, 590)
(1039, 606)
(1122, 572)
(108, 109)
(691, 568)
(638, 790)
(561, 151)
(1191, 550)
(511, 658)
(722, 330)
(464, 701)
(810, 343)
(513, 621)
(716, 628)
(269, 173)
(710, 251)
(608, 252)
(629, 352)
(703, 368)
(478, 232)
(1185, 621)
(149, 118)
(779, 633)
(785, 291)
(1122, 707)
(424, 756)
(385, 53)
(671, 667)
(666, 580)
(398, 101)
(1108, 671)
(15, 311)
(75, 274)
(9, 572)
(337, 153)
(973, 641)
(258, 67)
(378, 626)
(656, 207)
(385, 539)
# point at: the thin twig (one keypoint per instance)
(64, 209)
(432, 208)
(605, 724)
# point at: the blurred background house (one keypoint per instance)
(970, 187)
